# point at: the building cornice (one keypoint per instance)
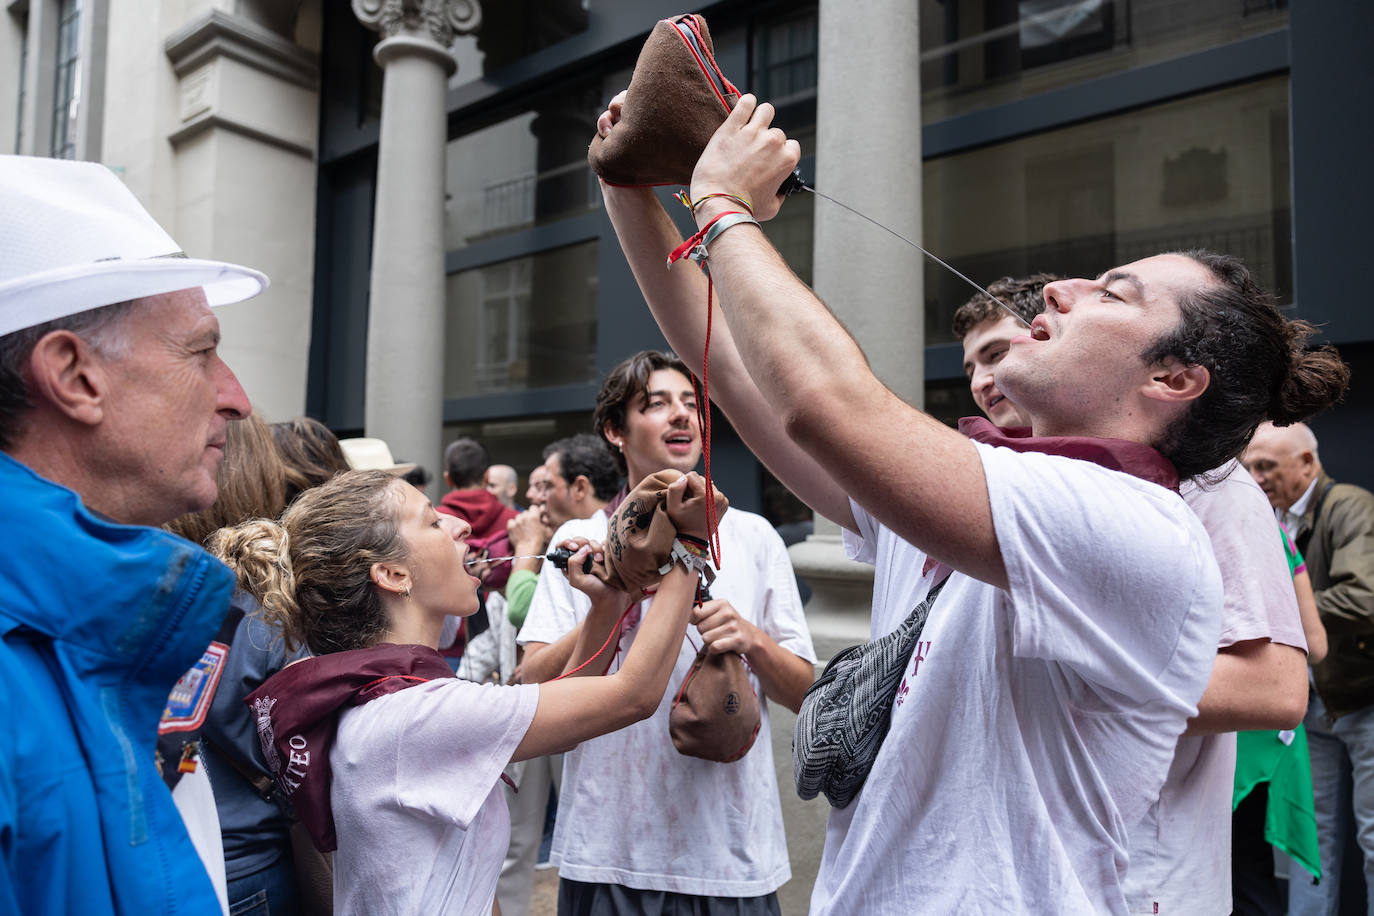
(203, 122)
(219, 34)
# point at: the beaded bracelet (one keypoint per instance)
(692, 205)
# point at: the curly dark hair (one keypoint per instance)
(1024, 294)
(1260, 365)
(620, 387)
(585, 455)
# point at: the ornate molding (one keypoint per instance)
(209, 120)
(220, 34)
(439, 20)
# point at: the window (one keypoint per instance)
(1208, 171)
(500, 326)
(514, 29)
(784, 66)
(783, 71)
(524, 323)
(528, 169)
(978, 53)
(22, 26)
(67, 84)
(519, 441)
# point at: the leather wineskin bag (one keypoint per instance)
(676, 99)
(716, 713)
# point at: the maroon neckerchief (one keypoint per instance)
(615, 502)
(1132, 458)
(297, 712)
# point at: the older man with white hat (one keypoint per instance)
(113, 410)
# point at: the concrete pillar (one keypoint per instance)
(868, 154)
(225, 157)
(40, 41)
(405, 328)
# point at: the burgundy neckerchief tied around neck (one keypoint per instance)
(297, 712)
(1132, 458)
(615, 502)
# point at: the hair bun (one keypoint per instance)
(258, 553)
(1316, 378)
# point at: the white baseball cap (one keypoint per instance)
(74, 238)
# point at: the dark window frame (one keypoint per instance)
(611, 42)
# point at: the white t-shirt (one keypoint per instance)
(418, 809)
(1035, 724)
(195, 800)
(1181, 851)
(635, 812)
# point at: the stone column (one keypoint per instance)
(405, 326)
(236, 175)
(868, 154)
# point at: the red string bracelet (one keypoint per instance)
(694, 249)
(614, 634)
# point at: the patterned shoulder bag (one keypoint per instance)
(846, 712)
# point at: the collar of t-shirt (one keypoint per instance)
(1134, 458)
(297, 712)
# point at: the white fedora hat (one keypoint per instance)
(74, 238)
(372, 455)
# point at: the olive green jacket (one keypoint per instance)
(1336, 537)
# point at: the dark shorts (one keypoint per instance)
(577, 898)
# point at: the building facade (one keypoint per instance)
(1058, 135)
(1011, 136)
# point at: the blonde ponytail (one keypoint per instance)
(258, 551)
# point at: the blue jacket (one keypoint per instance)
(97, 622)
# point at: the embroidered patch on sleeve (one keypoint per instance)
(190, 699)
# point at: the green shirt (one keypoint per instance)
(1289, 820)
(519, 594)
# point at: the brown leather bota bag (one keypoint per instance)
(676, 99)
(640, 535)
(716, 713)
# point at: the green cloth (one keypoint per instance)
(1289, 821)
(519, 594)
(1290, 550)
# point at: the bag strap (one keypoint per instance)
(1321, 501)
(928, 602)
(264, 785)
(1306, 537)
